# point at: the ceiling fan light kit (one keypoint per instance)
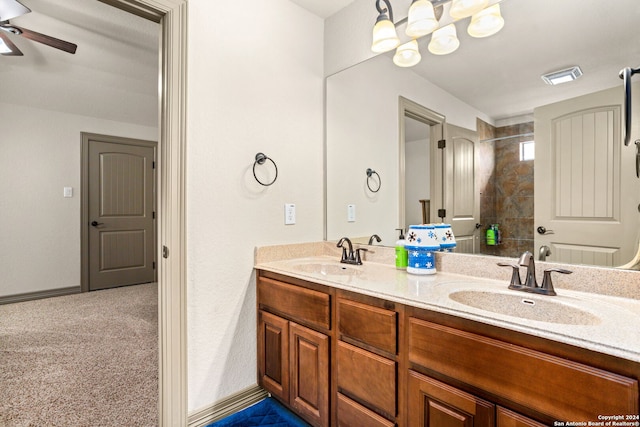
(425, 17)
(10, 9)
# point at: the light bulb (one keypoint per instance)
(421, 20)
(444, 40)
(487, 22)
(463, 8)
(407, 55)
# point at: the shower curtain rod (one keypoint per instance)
(507, 137)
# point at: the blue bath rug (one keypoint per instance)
(267, 412)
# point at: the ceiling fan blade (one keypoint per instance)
(48, 40)
(10, 9)
(13, 49)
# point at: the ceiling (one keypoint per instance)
(500, 75)
(323, 8)
(113, 75)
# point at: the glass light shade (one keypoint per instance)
(385, 37)
(463, 8)
(444, 40)
(407, 55)
(422, 19)
(487, 22)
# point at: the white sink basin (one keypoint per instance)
(526, 306)
(328, 269)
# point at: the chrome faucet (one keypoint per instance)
(376, 237)
(349, 256)
(530, 283)
(526, 260)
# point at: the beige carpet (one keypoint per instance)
(82, 360)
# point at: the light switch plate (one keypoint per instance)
(351, 213)
(289, 213)
(68, 192)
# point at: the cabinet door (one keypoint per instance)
(273, 354)
(309, 358)
(435, 404)
(507, 418)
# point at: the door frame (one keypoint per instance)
(171, 218)
(84, 198)
(436, 122)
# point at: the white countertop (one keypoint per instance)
(614, 331)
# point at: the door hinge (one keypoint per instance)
(154, 265)
(442, 144)
(153, 165)
(153, 215)
(442, 213)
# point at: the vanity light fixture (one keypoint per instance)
(407, 55)
(444, 40)
(486, 23)
(464, 8)
(562, 76)
(423, 19)
(385, 37)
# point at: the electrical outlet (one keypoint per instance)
(68, 192)
(289, 213)
(351, 213)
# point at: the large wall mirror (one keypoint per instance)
(546, 164)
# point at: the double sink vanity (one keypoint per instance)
(369, 345)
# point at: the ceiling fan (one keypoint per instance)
(10, 9)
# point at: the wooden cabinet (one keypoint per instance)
(436, 404)
(560, 388)
(339, 358)
(293, 360)
(366, 357)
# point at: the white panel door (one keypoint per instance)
(585, 185)
(460, 190)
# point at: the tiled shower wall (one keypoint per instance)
(506, 189)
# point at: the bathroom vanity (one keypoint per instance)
(373, 346)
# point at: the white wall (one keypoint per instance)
(39, 229)
(255, 85)
(363, 132)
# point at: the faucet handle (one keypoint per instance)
(358, 258)
(547, 283)
(515, 282)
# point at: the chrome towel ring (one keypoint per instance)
(261, 158)
(370, 173)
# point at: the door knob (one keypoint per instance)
(96, 223)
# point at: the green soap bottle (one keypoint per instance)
(402, 258)
(491, 236)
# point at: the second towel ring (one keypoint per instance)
(370, 173)
(261, 158)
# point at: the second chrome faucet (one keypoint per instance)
(530, 283)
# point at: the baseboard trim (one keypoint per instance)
(31, 296)
(226, 406)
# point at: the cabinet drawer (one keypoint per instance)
(435, 404)
(367, 378)
(305, 306)
(370, 325)
(507, 418)
(352, 414)
(551, 385)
